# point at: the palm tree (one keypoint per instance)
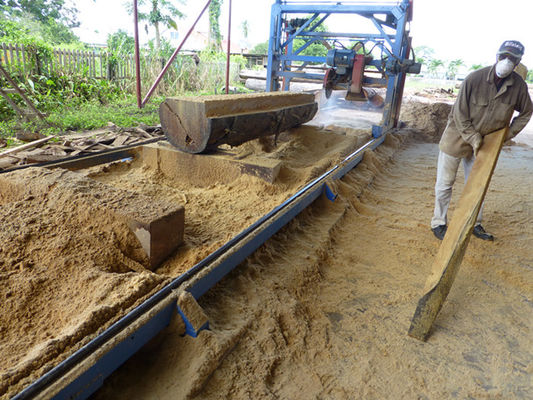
(434, 65)
(215, 38)
(162, 12)
(453, 67)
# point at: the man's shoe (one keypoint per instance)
(479, 232)
(439, 231)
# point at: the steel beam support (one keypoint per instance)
(393, 45)
(354, 36)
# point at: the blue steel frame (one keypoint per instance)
(396, 46)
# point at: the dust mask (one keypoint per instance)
(504, 68)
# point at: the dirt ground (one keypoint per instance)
(322, 310)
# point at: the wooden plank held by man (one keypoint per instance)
(453, 247)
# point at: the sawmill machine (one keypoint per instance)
(355, 62)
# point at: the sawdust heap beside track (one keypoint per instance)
(68, 268)
(215, 212)
(427, 119)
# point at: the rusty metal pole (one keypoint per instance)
(137, 61)
(172, 57)
(229, 47)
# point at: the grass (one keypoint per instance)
(421, 83)
(122, 112)
(91, 115)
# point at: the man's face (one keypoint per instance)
(513, 59)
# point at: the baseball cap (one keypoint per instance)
(512, 47)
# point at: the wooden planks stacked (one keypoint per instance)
(54, 148)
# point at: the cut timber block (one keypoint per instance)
(158, 225)
(199, 124)
(206, 169)
(453, 247)
(159, 235)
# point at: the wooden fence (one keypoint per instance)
(95, 64)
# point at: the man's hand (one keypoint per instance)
(476, 143)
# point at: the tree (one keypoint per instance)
(317, 49)
(475, 67)
(19, 29)
(529, 77)
(245, 28)
(46, 11)
(215, 38)
(424, 55)
(453, 67)
(120, 43)
(434, 65)
(260, 48)
(161, 12)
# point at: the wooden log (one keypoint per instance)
(453, 247)
(199, 124)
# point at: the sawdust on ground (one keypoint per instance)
(322, 309)
(215, 212)
(69, 268)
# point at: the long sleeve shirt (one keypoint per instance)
(481, 109)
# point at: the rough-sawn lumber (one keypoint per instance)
(453, 247)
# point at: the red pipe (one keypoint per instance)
(172, 57)
(229, 46)
(137, 62)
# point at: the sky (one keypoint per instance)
(471, 30)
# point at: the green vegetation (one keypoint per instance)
(87, 116)
(215, 38)
(161, 12)
(260, 48)
(91, 115)
(77, 101)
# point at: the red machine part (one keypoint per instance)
(355, 90)
(357, 74)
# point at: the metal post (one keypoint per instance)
(229, 47)
(172, 57)
(273, 48)
(137, 61)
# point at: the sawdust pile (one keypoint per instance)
(427, 119)
(215, 212)
(322, 310)
(70, 267)
(67, 270)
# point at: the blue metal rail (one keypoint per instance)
(89, 381)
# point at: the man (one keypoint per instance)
(486, 102)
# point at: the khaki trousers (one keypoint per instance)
(447, 167)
